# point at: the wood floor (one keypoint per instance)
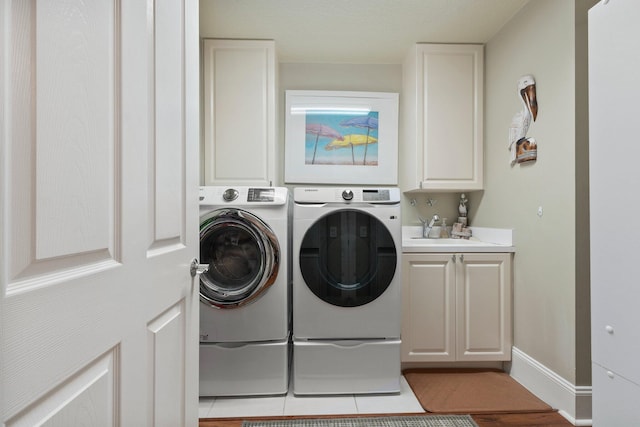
(539, 419)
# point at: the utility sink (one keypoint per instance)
(449, 242)
(482, 240)
(421, 244)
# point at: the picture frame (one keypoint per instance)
(340, 137)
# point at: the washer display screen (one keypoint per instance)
(261, 195)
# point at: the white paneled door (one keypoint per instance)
(98, 225)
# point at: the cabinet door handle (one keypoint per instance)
(609, 329)
(453, 257)
(462, 258)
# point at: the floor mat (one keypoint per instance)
(395, 421)
(471, 391)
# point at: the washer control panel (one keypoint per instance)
(243, 196)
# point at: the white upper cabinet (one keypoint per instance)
(441, 135)
(239, 112)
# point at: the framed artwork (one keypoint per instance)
(341, 137)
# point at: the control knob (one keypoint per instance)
(347, 194)
(230, 195)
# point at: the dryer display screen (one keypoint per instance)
(375, 195)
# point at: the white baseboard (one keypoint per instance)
(573, 402)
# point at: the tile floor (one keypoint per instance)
(223, 407)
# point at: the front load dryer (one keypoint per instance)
(244, 291)
(346, 252)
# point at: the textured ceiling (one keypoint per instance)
(354, 31)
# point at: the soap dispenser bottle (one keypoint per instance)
(444, 233)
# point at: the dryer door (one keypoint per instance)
(243, 255)
(348, 258)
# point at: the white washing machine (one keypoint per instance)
(245, 314)
(346, 250)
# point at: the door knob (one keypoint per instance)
(197, 268)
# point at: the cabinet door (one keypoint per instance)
(615, 399)
(239, 112)
(428, 322)
(99, 216)
(483, 293)
(614, 58)
(449, 115)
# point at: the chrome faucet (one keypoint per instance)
(426, 227)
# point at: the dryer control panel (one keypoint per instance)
(346, 195)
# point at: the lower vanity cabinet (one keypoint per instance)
(456, 307)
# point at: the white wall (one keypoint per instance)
(539, 40)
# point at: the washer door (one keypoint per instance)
(348, 258)
(243, 257)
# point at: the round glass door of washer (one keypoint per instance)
(348, 258)
(242, 254)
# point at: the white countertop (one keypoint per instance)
(483, 240)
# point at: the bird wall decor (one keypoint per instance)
(524, 149)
